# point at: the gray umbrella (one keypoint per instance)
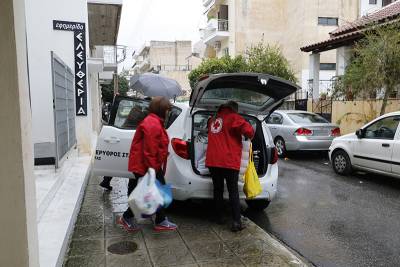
(150, 84)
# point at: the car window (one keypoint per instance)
(306, 118)
(275, 119)
(130, 113)
(173, 114)
(383, 129)
(241, 95)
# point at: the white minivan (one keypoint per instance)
(374, 148)
(257, 95)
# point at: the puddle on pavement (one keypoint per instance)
(122, 248)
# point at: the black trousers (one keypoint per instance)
(231, 176)
(160, 215)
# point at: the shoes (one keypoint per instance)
(165, 225)
(128, 224)
(106, 185)
(237, 226)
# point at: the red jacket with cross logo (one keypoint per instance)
(225, 133)
(149, 148)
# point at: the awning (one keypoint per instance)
(104, 19)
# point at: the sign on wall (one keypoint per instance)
(79, 32)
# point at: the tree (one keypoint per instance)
(107, 90)
(375, 66)
(258, 58)
(225, 64)
(269, 59)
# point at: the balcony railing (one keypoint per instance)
(214, 26)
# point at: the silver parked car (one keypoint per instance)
(295, 130)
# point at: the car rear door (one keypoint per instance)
(396, 153)
(375, 149)
(114, 141)
(256, 94)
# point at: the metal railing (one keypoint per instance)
(114, 54)
(215, 25)
(173, 67)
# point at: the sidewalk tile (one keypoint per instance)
(171, 255)
(208, 251)
(89, 261)
(86, 247)
(161, 239)
(250, 247)
(266, 259)
(235, 262)
(199, 235)
(88, 232)
(139, 258)
(90, 219)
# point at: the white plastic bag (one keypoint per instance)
(244, 162)
(145, 199)
(200, 148)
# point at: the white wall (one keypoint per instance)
(42, 39)
(366, 8)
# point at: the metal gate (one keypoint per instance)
(64, 106)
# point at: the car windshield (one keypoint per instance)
(306, 118)
(240, 95)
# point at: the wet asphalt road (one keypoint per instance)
(333, 220)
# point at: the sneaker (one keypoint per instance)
(106, 185)
(128, 224)
(165, 225)
(237, 226)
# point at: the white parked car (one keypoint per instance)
(257, 95)
(375, 148)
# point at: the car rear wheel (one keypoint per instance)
(280, 147)
(341, 163)
(257, 204)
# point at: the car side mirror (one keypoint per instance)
(360, 133)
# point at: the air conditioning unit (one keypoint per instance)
(217, 45)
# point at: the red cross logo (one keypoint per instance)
(216, 126)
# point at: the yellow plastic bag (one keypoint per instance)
(252, 186)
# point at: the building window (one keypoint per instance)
(327, 66)
(386, 2)
(226, 51)
(372, 2)
(327, 21)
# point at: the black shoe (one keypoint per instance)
(106, 185)
(237, 226)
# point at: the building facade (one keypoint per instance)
(68, 58)
(235, 25)
(171, 59)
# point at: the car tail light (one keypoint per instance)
(180, 147)
(274, 156)
(335, 132)
(303, 132)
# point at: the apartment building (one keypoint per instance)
(369, 6)
(171, 59)
(235, 25)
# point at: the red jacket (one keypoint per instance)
(225, 132)
(149, 148)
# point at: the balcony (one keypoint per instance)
(216, 30)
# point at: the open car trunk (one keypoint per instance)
(200, 140)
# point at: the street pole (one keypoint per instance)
(116, 89)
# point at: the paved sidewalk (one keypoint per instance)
(98, 241)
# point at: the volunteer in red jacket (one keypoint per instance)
(224, 152)
(149, 150)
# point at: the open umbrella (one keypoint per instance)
(150, 84)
